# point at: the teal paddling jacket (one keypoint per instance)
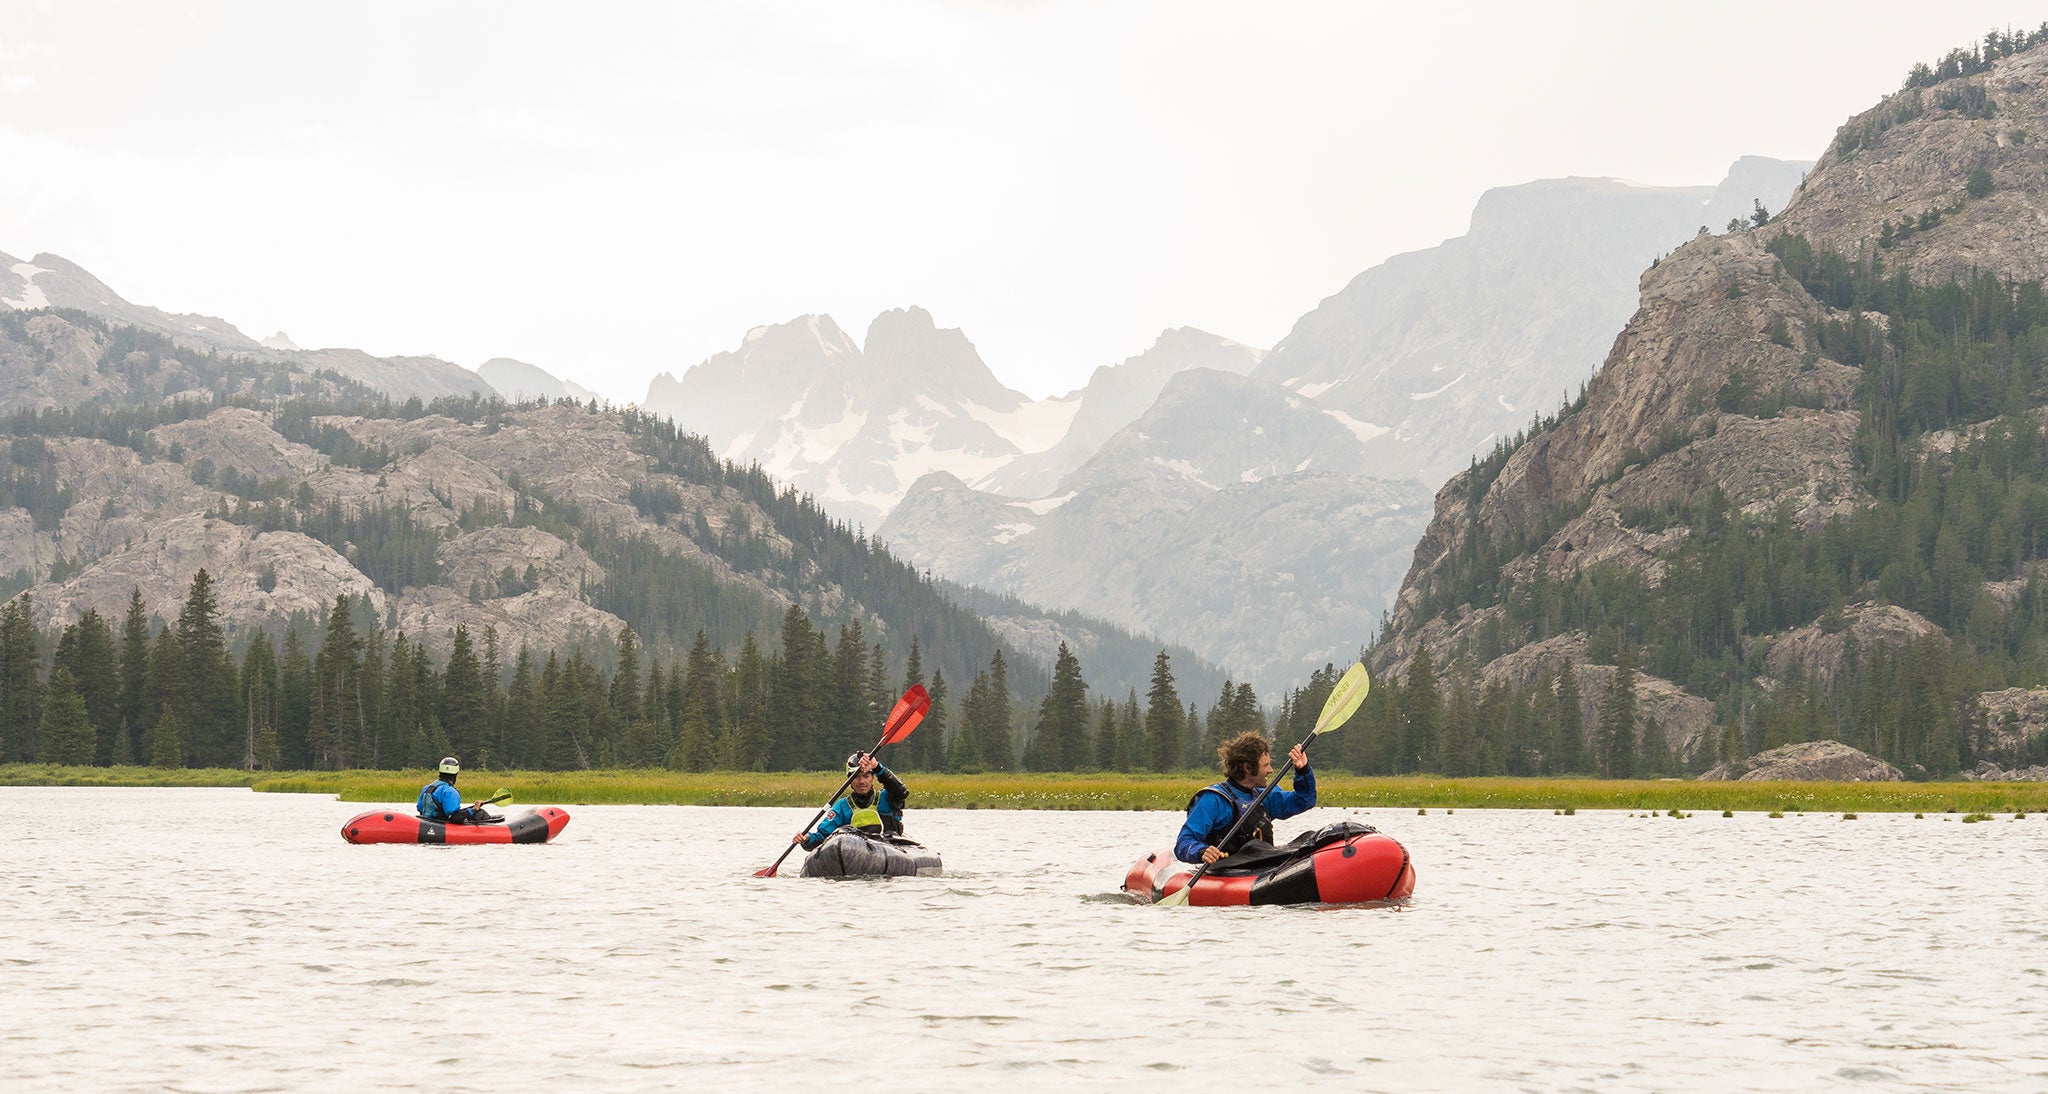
(891, 794)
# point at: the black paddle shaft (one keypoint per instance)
(1247, 815)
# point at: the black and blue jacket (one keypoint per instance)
(1215, 809)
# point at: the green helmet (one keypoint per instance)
(450, 766)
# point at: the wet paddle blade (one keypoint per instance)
(1176, 900)
(767, 871)
(908, 712)
(1344, 700)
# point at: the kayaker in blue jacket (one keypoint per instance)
(867, 807)
(1247, 761)
(439, 801)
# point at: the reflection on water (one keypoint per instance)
(222, 940)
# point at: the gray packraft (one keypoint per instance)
(852, 853)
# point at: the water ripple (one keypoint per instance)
(1600, 952)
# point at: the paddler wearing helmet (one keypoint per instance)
(440, 802)
(873, 803)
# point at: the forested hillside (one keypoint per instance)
(1806, 498)
(387, 546)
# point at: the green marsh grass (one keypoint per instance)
(1084, 790)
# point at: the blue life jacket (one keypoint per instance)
(439, 801)
(1215, 809)
(1260, 827)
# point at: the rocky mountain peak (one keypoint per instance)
(908, 354)
(1908, 163)
(1753, 402)
(1449, 349)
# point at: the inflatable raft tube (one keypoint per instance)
(850, 853)
(398, 826)
(1343, 863)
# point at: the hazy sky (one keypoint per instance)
(610, 191)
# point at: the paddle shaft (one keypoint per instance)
(1247, 815)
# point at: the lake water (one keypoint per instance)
(221, 940)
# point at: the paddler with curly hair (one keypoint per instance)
(876, 810)
(1247, 762)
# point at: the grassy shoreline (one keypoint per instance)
(1078, 791)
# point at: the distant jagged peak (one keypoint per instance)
(908, 353)
(799, 334)
(281, 340)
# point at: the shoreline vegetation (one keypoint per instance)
(1080, 791)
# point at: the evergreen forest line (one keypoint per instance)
(178, 696)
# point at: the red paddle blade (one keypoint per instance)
(765, 871)
(908, 711)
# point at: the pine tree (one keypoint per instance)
(881, 700)
(1422, 718)
(21, 688)
(1133, 752)
(494, 693)
(404, 726)
(87, 649)
(294, 702)
(999, 737)
(1106, 742)
(212, 733)
(463, 704)
(965, 755)
(750, 743)
(165, 749)
(1165, 723)
(166, 687)
(625, 689)
(337, 690)
(1244, 709)
(522, 715)
(1571, 724)
(65, 735)
(1457, 745)
(566, 712)
(1061, 743)
(1616, 731)
(700, 715)
(134, 705)
(795, 684)
(260, 706)
(848, 709)
(1656, 751)
(1222, 724)
(935, 724)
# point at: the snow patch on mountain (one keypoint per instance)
(1032, 427)
(1439, 391)
(1364, 431)
(1042, 506)
(31, 297)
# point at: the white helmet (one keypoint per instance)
(450, 766)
